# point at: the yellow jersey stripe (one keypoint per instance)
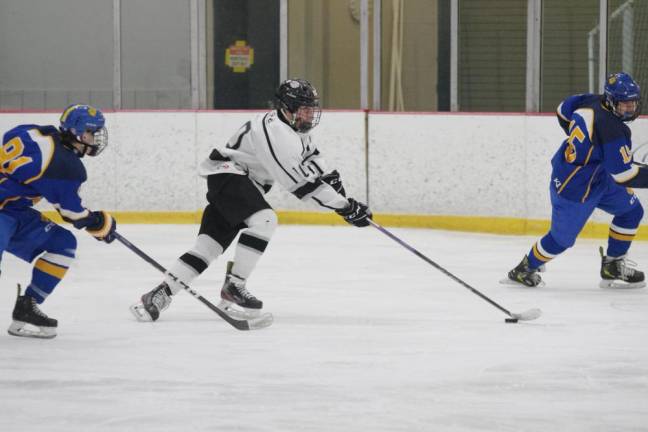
(626, 175)
(589, 154)
(8, 200)
(587, 158)
(569, 178)
(589, 184)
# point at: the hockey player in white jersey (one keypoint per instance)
(273, 147)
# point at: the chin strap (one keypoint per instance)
(284, 118)
(69, 144)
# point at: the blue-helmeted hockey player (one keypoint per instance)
(45, 162)
(593, 168)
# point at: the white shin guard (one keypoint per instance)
(205, 249)
(253, 241)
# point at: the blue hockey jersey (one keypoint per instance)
(598, 144)
(34, 164)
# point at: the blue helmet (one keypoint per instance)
(78, 119)
(620, 87)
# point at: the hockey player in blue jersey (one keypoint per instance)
(593, 168)
(45, 162)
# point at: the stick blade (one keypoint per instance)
(262, 321)
(528, 315)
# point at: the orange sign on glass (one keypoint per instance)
(240, 56)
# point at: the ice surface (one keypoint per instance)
(367, 337)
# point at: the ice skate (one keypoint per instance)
(619, 273)
(522, 274)
(153, 302)
(236, 300)
(30, 321)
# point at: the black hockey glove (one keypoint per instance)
(333, 179)
(355, 213)
(99, 224)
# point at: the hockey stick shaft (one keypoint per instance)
(438, 267)
(238, 324)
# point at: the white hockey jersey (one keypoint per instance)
(267, 150)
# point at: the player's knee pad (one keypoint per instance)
(263, 223)
(633, 217)
(629, 220)
(261, 226)
(61, 242)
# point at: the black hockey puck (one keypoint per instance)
(511, 320)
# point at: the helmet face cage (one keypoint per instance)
(100, 142)
(79, 119)
(299, 97)
(620, 87)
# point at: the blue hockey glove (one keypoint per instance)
(333, 179)
(355, 213)
(99, 224)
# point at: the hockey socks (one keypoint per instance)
(48, 271)
(622, 231)
(544, 251)
(194, 262)
(253, 242)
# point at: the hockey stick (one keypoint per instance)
(240, 324)
(528, 315)
(634, 150)
(643, 159)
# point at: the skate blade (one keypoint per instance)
(140, 313)
(616, 284)
(23, 329)
(238, 312)
(508, 281)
